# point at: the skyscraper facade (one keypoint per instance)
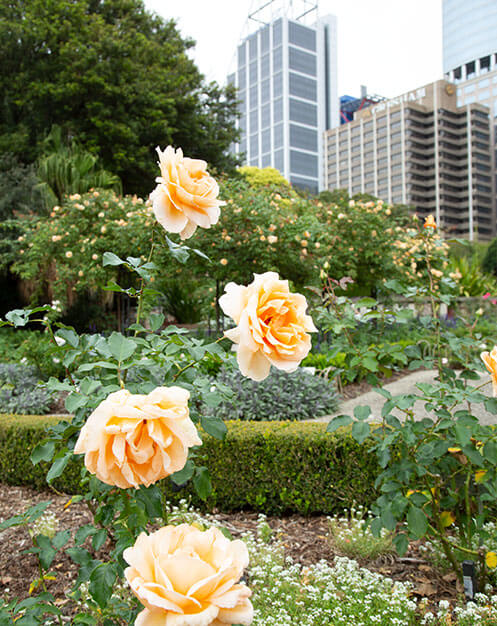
(287, 89)
(470, 61)
(469, 37)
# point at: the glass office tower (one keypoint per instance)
(286, 80)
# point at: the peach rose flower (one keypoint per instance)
(186, 196)
(272, 325)
(490, 360)
(188, 577)
(132, 440)
(430, 222)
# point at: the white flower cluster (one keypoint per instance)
(286, 593)
(47, 524)
(482, 611)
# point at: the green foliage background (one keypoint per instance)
(113, 75)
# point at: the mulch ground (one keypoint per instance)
(305, 540)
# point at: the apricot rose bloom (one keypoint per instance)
(132, 440)
(186, 196)
(188, 577)
(272, 325)
(490, 360)
(430, 222)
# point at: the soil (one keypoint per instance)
(305, 540)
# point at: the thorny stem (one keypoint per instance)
(434, 312)
(43, 584)
(468, 508)
(142, 286)
(48, 326)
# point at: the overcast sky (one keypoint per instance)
(391, 46)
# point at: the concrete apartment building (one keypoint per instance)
(422, 150)
(287, 87)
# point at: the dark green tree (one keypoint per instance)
(489, 263)
(112, 75)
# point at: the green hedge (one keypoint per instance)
(275, 467)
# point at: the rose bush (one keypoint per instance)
(439, 472)
(129, 397)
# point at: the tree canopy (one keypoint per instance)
(114, 76)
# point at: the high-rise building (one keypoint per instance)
(469, 37)
(424, 151)
(287, 88)
(470, 61)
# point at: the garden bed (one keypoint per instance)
(305, 540)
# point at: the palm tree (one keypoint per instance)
(67, 168)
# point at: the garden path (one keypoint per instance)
(401, 386)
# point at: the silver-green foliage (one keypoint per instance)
(21, 392)
(281, 396)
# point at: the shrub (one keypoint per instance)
(267, 466)
(20, 390)
(489, 263)
(280, 396)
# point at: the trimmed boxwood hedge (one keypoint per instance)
(275, 467)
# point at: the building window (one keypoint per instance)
(469, 88)
(265, 66)
(253, 46)
(265, 90)
(278, 136)
(241, 54)
(485, 64)
(254, 121)
(242, 78)
(253, 72)
(301, 61)
(303, 87)
(303, 183)
(303, 112)
(470, 69)
(278, 110)
(278, 32)
(278, 85)
(278, 59)
(265, 39)
(266, 116)
(279, 160)
(253, 97)
(302, 36)
(457, 73)
(254, 145)
(266, 141)
(303, 138)
(266, 160)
